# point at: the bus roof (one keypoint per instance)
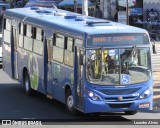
(66, 20)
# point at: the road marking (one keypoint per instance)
(156, 97)
(156, 90)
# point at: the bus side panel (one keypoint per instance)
(61, 75)
(37, 76)
(7, 59)
(24, 61)
(49, 82)
(34, 64)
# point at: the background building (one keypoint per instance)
(148, 5)
(138, 9)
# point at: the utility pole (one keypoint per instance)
(75, 5)
(85, 7)
(127, 11)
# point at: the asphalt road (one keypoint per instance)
(16, 105)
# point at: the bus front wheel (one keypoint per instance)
(130, 112)
(70, 103)
(26, 83)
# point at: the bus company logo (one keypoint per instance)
(120, 98)
(6, 122)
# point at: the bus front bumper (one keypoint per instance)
(102, 106)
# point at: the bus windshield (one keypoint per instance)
(118, 66)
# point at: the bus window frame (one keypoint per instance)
(5, 29)
(35, 39)
(21, 35)
(68, 50)
(8, 27)
(25, 35)
(41, 54)
(73, 48)
(54, 46)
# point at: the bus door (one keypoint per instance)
(37, 77)
(7, 47)
(49, 66)
(78, 80)
(15, 43)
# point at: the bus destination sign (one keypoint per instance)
(113, 39)
(117, 39)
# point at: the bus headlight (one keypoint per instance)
(146, 93)
(93, 96)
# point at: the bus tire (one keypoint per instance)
(26, 83)
(130, 112)
(70, 103)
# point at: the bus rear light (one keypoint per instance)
(144, 105)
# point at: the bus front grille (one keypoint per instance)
(115, 99)
(127, 105)
(120, 91)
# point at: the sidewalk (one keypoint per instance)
(156, 87)
(156, 78)
(156, 74)
(156, 93)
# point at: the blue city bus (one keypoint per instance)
(91, 65)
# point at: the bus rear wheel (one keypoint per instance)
(26, 83)
(130, 112)
(69, 101)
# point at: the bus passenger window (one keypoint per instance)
(70, 44)
(38, 47)
(20, 42)
(68, 56)
(58, 48)
(8, 24)
(29, 31)
(7, 31)
(39, 34)
(28, 43)
(59, 41)
(7, 36)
